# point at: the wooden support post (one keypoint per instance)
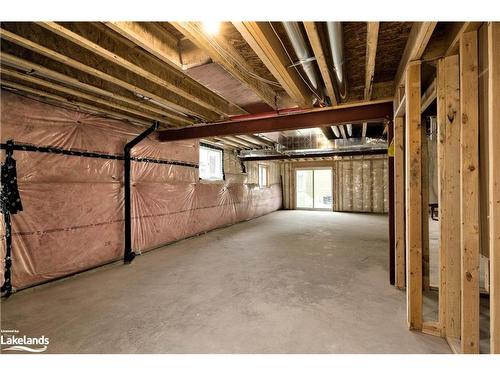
(392, 239)
(425, 209)
(494, 181)
(413, 197)
(469, 192)
(399, 197)
(448, 120)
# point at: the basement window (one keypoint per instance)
(263, 175)
(211, 163)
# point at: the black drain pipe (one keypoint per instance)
(129, 255)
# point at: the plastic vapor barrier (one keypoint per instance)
(73, 205)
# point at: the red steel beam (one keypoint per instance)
(365, 112)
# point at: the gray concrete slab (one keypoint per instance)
(288, 282)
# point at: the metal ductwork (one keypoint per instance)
(306, 58)
(340, 146)
(336, 39)
(304, 54)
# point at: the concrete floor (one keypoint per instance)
(288, 282)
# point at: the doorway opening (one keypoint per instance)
(314, 189)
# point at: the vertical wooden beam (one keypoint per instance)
(494, 182)
(469, 192)
(425, 209)
(413, 197)
(483, 153)
(399, 196)
(390, 180)
(448, 146)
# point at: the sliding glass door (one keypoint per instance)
(314, 188)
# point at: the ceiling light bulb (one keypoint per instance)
(211, 27)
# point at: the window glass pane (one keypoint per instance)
(210, 164)
(304, 183)
(323, 188)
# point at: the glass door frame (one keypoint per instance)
(295, 188)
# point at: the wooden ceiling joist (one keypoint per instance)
(418, 39)
(240, 141)
(217, 143)
(256, 140)
(113, 97)
(73, 103)
(315, 41)
(8, 74)
(228, 142)
(371, 54)
(223, 53)
(152, 38)
(96, 41)
(368, 111)
(42, 42)
(266, 44)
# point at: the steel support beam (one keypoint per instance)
(376, 111)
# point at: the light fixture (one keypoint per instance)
(211, 27)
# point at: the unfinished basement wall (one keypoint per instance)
(248, 172)
(359, 183)
(73, 205)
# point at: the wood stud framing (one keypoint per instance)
(420, 34)
(399, 198)
(494, 181)
(134, 71)
(469, 192)
(456, 89)
(448, 117)
(413, 197)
